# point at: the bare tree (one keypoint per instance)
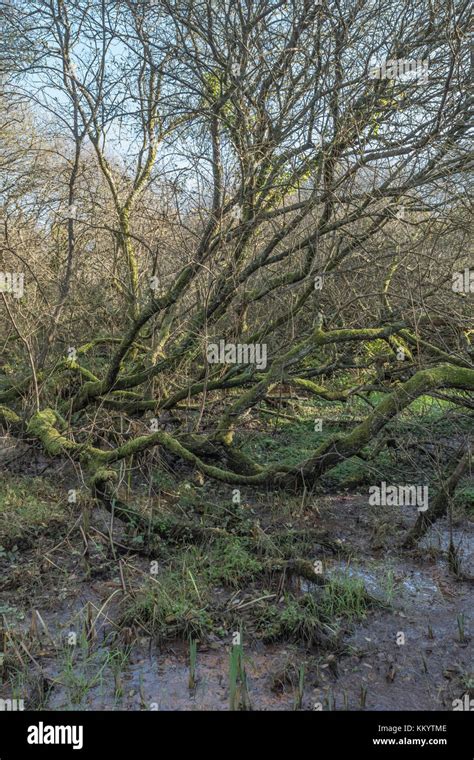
(312, 160)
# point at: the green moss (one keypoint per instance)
(41, 426)
(103, 475)
(8, 417)
(320, 390)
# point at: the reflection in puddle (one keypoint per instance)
(161, 682)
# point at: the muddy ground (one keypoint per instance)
(67, 644)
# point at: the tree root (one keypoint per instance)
(300, 567)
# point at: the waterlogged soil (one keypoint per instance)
(411, 652)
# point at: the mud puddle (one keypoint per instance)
(411, 652)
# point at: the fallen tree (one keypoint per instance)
(305, 223)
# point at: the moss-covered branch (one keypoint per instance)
(8, 417)
(340, 448)
(326, 456)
